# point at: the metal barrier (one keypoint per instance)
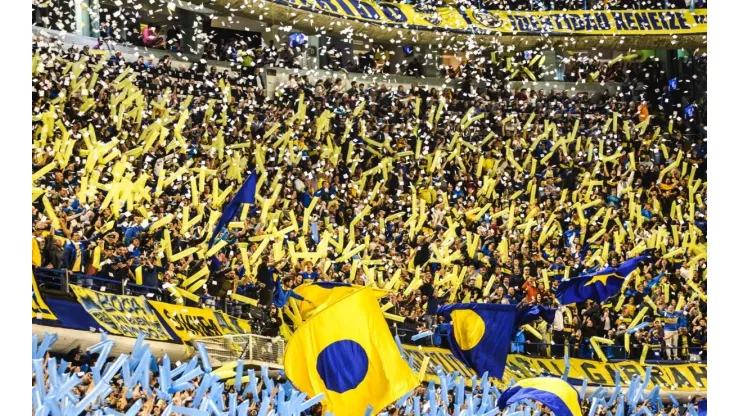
(59, 280)
(262, 349)
(255, 350)
(615, 353)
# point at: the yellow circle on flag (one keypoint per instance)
(468, 328)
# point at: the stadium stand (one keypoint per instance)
(442, 195)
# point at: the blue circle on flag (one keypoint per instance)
(342, 365)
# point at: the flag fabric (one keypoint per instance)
(480, 334)
(702, 408)
(597, 286)
(529, 313)
(347, 352)
(323, 294)
(245, 195)
(555, 393)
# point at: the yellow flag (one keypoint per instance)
(352, 365)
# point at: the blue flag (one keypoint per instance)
(702, 407)
(245, 195)
(480, 334)
(529, 313)
(597, 286)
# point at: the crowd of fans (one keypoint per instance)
(245, 55)
(473, 194)
(150, 400)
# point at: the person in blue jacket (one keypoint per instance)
(74, 256)
(284, 291)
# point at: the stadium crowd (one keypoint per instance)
(478, 66)
(151, 401)
(468, 194)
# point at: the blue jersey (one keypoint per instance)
(671, 320)
(282, 296)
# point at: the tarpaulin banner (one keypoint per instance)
(474, 21)
(679, 377)
(122, 315)
(39, 308)
(127, 315)
(190, 323)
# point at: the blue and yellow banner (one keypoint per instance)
(681, 377)
(129, 315)
(126, 315)
(122, 315)
(39, 308)
(485, 22)
(190, 323)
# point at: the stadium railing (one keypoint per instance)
(59, 280)
(253, 349)
(614, 353)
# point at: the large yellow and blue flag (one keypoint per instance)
(555, 393)
(596, 286)
(347, 352)
(480, 334)
(323, 294)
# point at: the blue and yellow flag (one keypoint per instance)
(347, 352)
(480, 334)
(596, 286)
(554, 393)
(323, 294)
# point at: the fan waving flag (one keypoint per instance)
(245, 195)
(347, 352)
(554, 393)
(597, 286)
(480, 334)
